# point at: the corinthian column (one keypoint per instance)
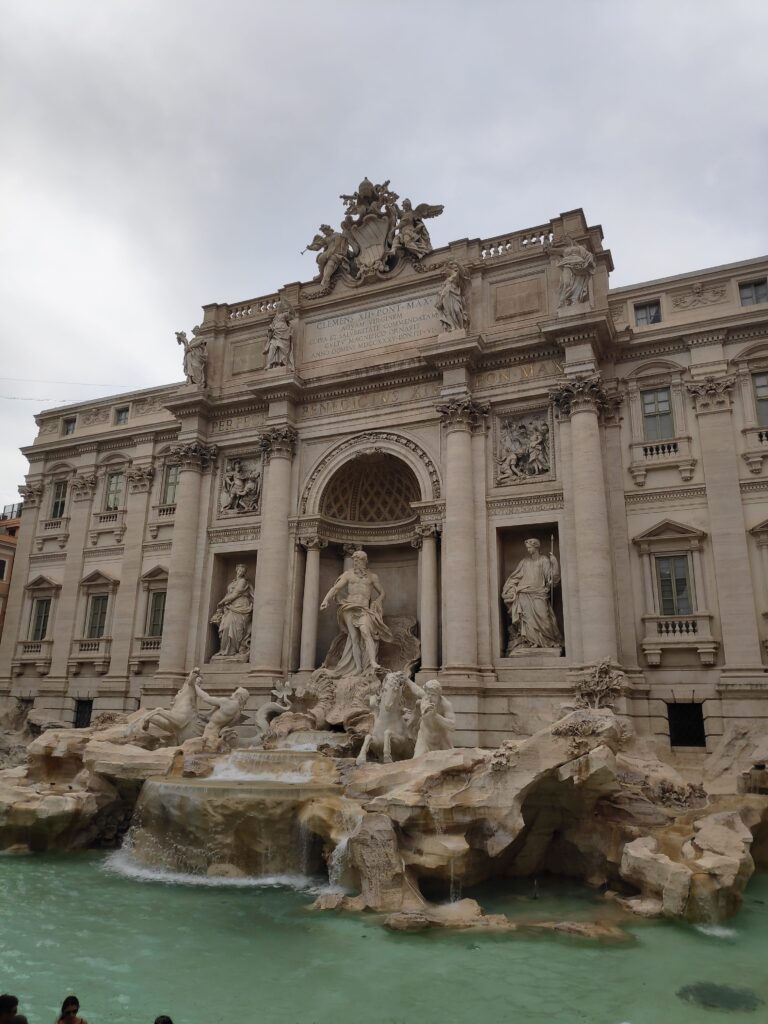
(582, 400)
(459, 417)
(428, 596)
(271, 590)
(193, 458)
(311, 603)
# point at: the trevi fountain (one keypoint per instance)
(293, 819)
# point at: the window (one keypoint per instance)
(674, 585)
(657, 414)
(647, 313)
(68, 425)
(752, 293)
(83, 712)
(41, 610)
(97, 616)
(686, 725)
(170, 483)
(156, 613)
(114, 492)
(3, 564)
(761, 398)
(59, 499)
(121, 415)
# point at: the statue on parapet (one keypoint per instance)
(195, 356)
(279, 347)
(450, 304)
(360, 616)
(333, 249)
(577, 266)
(412, 235)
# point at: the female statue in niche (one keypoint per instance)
(528, 597)
(233, 617)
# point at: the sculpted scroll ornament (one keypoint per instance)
(524, 449)
(699, 295)
(241, 486)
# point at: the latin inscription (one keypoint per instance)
(375, 400)
(409, 320)
(514, 374)
(232, 423)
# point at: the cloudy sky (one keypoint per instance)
(161, 154)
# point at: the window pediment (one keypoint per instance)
(40, 583)
(155, 575)
(668, 532)
(99, 580)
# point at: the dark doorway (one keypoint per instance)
(83, 712)
(686, 725)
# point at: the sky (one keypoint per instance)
(157, 155)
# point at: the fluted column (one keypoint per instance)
(271, 590)
(429, 598)
(311, 602)
(582, 400)
(193, 458)
(459, 417)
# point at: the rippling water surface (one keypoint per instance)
(133, 945)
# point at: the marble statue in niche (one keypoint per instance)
(524, 448)
(195, 357)
(241, 486)
(577, 265)
(450, 303)
(360, 597)
(233, 617)
(279, 347)
(527, 595)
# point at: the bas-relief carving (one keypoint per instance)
(577, 266)
(374, 234)
(451, 303)
(195, 357)
(143, 406)
(233, 618)
(93, 417)
(527, 595)
(241, 486)
(279, 347)
(699, 295)
(524, 448)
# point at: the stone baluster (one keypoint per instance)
(460, 415)
(311, 602)
(272, 569)
(193, 458)
(429, 597)
(582, 400)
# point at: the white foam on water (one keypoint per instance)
(121, 863)
(717, 931)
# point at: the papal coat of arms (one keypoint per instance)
(374, 236)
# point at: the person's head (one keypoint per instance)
(533, 546)
(162, 1019)
(359, 561)
(240, 570)
(9, 1006)
(241, 695)
(69, 1008)
(407, 205)
(433, 691)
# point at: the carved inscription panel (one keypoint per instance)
(409, 320)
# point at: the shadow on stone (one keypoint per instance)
(720, 997)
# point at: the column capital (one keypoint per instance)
(278, 442)
(582, 394)
(463, 413)
(83, 486)
(428, 529)
(712, 394)
(194, 455)
(32, 493)
(313, 543)
(140, 478)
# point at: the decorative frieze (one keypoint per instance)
(525, 503)
(193, 454)
(143, 406)
(463, 413)
(94, 417)
(579, 395)
(229, 534)
(523, 448)
(699, 295)
(712, 394)
(666, 496)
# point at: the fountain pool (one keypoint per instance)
(135, 943)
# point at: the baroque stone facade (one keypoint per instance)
(544, 472)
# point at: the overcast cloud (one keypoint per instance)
(161, 154)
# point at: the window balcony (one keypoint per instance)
(54, 529)
(145, 650)
(36, 653)
(162, 515)
(673, 453)
(112, 521)
(665, 633)
(94, 651)
(755, 447)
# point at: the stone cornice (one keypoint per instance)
(228, 534)
(664, 496)
(543, 501)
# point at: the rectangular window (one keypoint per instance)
(761, 398)
(686, 725)
(97, 616)
(647, 313)
(68, 425)
(121, 415)
(83, 712)
(59, 499)
(156, 613)
(657, 415)
(114, 492)
(41, 610)
(170, 483)
(3, 564)
(752, 293)
(674, 585)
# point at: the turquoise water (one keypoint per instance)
(224, 954)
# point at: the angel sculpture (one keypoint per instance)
(279, 347)
(332, 248)
(412, 235)
(195, 356)
(450, 304)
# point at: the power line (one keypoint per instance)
(76, 383)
